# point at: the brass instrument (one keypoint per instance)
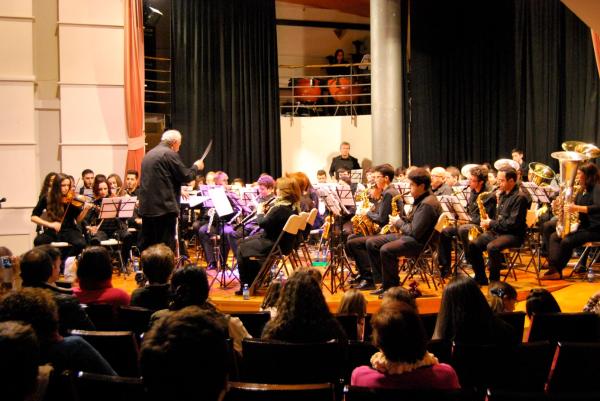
(569, 163)
(540, 174)
(361, 223)
(474, 231)
(389, 227)
(465, 171)
(327, 226)
(501, 163)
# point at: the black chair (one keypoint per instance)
(572, 327)
(119, 348)
(254, 322)
(429, 320)
(359, 354)
(575, 369)
(95, 387)
(350, 325)
(355, 393)
(287, 363)
(239, 391)
(516, 320)
(478, 366)
(508, 395)
(526, 367)
(104, 316)
(442, 349)
(134, 318)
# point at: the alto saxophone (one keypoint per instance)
(474, 231)
(389, 227)
(361, 223)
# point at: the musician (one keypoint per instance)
(321, 177)
(252, 250)
(266, 187)
(309, 198)
(438, 182)
(505, 230)
(131, 182)
(87, 177)
(356, 246)
(63, 214)
(413, 231)
(115, 185)
(452, 176)
(517, 155)
(587, 204)
(163, 173)
(343, 160)
(478, 184)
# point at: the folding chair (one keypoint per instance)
(531, 246)
(589, 257)
(279, 255)
(299, 245)
(114, 248)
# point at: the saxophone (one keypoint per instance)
(389, 227)
(361, 223)
(474, 231)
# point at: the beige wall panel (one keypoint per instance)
(18, 175)
(105, 12)
(16, 55)
(91, 114)
(48, 126)
(310, 143)
(91, 55)
(45, 47)
(16, 8)
(16, 221)
(285, 10)
(16, 112)
(18, 243)
(106, 159)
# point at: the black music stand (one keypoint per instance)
(118, 208)
(453, 205)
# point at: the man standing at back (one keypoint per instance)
(343, 160)
(163, 173)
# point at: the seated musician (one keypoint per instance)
(412, 231)
(346, 181)
(356, 247)
(87, 177)
(309, 198)
(477, 184)
(115, 185)
(266, 186)
(505, 230)
(63, 215)
(131, 182)
(101, 229)
(252, 250)
(438, 182)
(587, 204)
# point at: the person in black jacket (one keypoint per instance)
(163, 173)
(343, 160)
(253, 249)
(505, 230)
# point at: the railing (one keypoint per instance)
(328, 94)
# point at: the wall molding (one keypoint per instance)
(90, 25)
(20, 18)
(61, 83)
(17, 78)
(91, 144)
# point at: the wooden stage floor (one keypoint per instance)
(571, 293)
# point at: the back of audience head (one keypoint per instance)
(464, 315)
(502, 297)
(400, 294)
(158, 263)
(399, 333)
(189, 286)
(33, 306)
(272, 296)
(353, 303)
(184, 357)
(20, 355)
(94, 267)
(540, 300)
(37, 266)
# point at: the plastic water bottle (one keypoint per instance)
(272, 275)
(136, 265)
(246, 292)
(590, 274)
(281, 278)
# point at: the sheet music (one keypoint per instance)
(356, 176)
(538, 195)
(220, 201)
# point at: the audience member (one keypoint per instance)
(401, 295)
(158, 262)
(502, 297)
(302, 314)
(40, 268)
(36, 307)
(593, 304)
(403, 361)
(184, 357)
(466, 317)
(354, 303)
(540, 300)
(271, 298)
(94, 272)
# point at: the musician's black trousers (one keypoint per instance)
(445, 247)
(494, 244)
(70, 235)
(160, 229)
(561, 249)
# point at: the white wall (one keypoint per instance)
(309, 144)
(18, 147)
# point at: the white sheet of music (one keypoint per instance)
(220, 201)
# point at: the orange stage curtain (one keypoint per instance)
(596, 42)
(134, 82)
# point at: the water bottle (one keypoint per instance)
(246, 292)
(590, 274)
(281, 278)
(136, 265)
(272, 275)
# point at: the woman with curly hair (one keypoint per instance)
(302, 314)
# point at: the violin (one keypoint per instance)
(73, 199)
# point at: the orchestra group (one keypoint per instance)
(393, 212)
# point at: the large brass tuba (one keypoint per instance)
(569, 163)
(540, 174)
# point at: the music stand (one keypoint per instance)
(453, 205)
(117, 208)
(356, 176)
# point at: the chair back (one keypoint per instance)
(254, 322)
(477, 366)
(350, 325)
(134, 318)
(355, 393)
(239, 391)
(571, 327)
(527, 367)
(442, 349)
(575, 368)
(516, 320)
(304, 222)
(95, 387)
(287, 363)
(312, 216)
(359, 354)
(119, 348)
(429, 320)
(104, 316)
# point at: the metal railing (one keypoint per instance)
(327, 94)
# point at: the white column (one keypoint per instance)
(386, 82)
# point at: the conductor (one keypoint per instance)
(163, 173)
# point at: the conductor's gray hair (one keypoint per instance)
(171, 136)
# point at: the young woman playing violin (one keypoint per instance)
(64, 211)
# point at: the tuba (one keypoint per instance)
(569, 163)
(540, 174)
